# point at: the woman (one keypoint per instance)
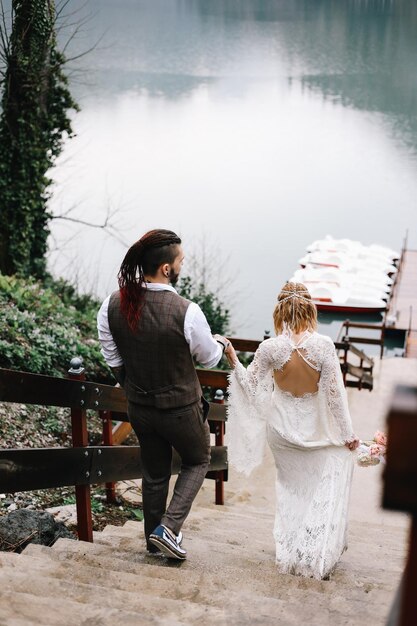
(292, 395)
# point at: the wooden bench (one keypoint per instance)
(83, 465)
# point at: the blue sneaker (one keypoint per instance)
(167, 542)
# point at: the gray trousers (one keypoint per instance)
(158, 431)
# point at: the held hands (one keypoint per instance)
(352, 444)
(231, 355)
(228, 349)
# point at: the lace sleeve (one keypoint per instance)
(249, 400)
(336, 397)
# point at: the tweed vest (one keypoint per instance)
(159, 367)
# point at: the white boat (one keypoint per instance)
(372, 283)
(328, 298)
(356, 248)
(347, 262)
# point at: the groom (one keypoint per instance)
(150, 337)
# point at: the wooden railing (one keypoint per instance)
(392, 300)
(371, 341)
(400, 493)
(362, 373)
(84, 465)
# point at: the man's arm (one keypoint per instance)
(108, 347)
(203, 346)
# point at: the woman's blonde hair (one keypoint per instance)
(295, 309)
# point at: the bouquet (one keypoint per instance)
(372, 452)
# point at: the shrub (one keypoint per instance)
(44, 325)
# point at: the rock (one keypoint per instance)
(12, 507)
(21, 527)
(66, 513)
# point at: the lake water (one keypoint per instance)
(249, 127)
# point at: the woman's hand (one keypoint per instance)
(231, 355)
(352, 444)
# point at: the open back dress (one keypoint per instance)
(292, 396)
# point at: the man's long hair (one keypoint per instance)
(145, 256)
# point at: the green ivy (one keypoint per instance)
(33, 125)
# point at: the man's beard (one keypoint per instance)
(173, 277)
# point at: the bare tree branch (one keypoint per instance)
(5, 42)
(83, 54)
(107, 225)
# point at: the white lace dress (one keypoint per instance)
(306, 435)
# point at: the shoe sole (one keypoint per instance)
(166, 550)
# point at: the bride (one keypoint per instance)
(292, 395)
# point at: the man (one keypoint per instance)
(149, 336)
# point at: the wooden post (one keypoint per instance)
(383, 336)
(400, 494)
(106, 417)
(219, 440)
(80, 440)
(345, 340)
(408, 611)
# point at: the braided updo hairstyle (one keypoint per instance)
(144, 257)
(295, 309)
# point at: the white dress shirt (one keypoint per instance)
(197, 333)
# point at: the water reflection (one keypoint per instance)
(358, 53)
(264, 124)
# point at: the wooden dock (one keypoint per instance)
(403, 305)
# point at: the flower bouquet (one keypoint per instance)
(372, 452)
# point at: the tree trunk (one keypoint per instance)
(34, 117)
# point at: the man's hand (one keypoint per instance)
(221, 340)
(120, 374)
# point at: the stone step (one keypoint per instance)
(26, 609)
(96, 573)
(242, 550)
(378, 536)
(134, 537)
(93, 595)
(227, 575)
(140, 584)
(118, 573)
(126, 530)
(216, 551)
(222, 521)
(8, 559)
(242, 607)
(240, 604)
(227, 583)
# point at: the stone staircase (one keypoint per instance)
(228, 578)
